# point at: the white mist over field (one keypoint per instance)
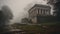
(20, 7)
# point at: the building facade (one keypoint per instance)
(39, 12)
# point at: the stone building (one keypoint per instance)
(39, 13)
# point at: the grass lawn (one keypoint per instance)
(35, 28)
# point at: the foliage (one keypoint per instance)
(56, 7)
(5, 16)
(24, 20)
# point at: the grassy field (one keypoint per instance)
(36, 28)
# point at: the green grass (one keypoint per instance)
(34, 28)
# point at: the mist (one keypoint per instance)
(20, 8)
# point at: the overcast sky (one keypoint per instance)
(19, 7)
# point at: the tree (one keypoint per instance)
(57, 10)
(1, 21)
(25, 20)
(56, 7)
(5, 16)
(7, 13)
(1, 18)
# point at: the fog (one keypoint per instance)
(19, 8)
